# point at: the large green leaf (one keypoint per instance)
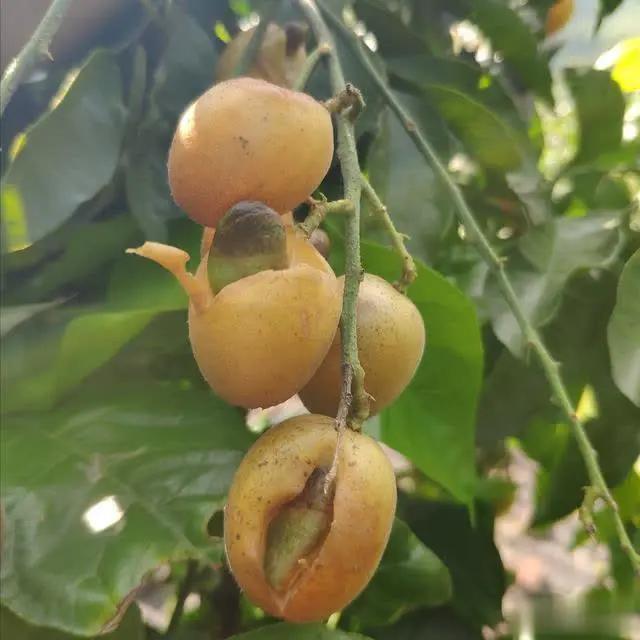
(14, 628)
(67, 262)
(433, 421)
(514, 39)
(623, 333)
(600, 110)
(183, 72)
(468, 551)
(409, 576)
(393, 35)
(45, 358)
(104, 489)
(424, 211)
(577, 339)
(68, 156)
(547, 256)
(286, 631)
(438, 624)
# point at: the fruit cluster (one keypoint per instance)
(310, 510)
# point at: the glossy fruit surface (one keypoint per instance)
(247, 139)
(259, 339)
(391, 340)
(270, 479)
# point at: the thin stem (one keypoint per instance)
(250, 53)
(183, 591)
(409, 272)
(549, 365)
(37, 46)
(320, 210)
(354, 402)
(310, 64)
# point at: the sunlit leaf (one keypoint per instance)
(71, 153)
(624, 331)
(547, 256)
(600, 109)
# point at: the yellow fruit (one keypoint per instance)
(391, 340)
(558, 16)
(280, 59)
(260, 338)
(247, 139)
(326, 551)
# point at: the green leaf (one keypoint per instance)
(69, 155)
(409, 576)
(424, 212)
(14, 628)
(577, 339)
(488, 138)
(101, 491)
(623, 333)
(11, 317)
(286, 631)
(393, 35)
(600, 110)
(68, 260)
(433, 421)
(438, 624)
(547, 256)
(514, 39)
(46, 358)
(468, 551)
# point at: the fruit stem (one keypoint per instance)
(409, 272)
(495, 263)
(310, 64)
(354, 401)
(320, 209)
(250, 53)
(37, 47)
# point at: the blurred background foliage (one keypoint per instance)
(115, 455)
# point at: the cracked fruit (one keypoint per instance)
(300, 545)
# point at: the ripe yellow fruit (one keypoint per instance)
(260, 338)
(247, 139)
(391, 340)
(558, 16)
(280, 59)
(322, 559)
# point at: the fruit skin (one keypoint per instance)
(261, 338)
(247, 139)
(273, 472)
(391, 340)
(558, 16)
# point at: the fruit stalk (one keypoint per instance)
(37, 46)
(534, 341)
(409, 272)
(354, 402)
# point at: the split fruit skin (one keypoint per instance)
(391, 341)
(247, 139)
(272, 474)
(280, 59)
(261, 338)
